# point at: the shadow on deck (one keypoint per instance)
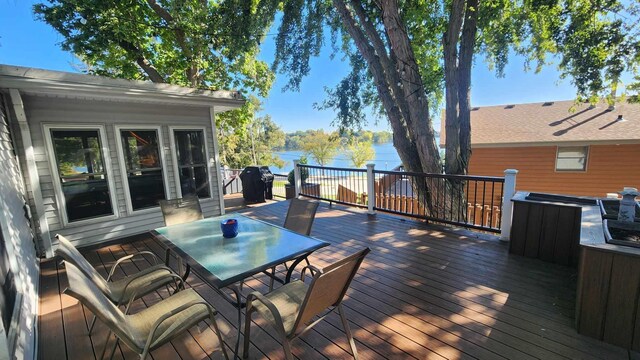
(422, 293)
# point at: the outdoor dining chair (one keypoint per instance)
(180, 211)
(299, 218)
(126, 289)
(289, 308)
(149, 328)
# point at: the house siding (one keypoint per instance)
(41, 111)
(19, 242)
(609, 168)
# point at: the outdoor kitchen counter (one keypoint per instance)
(568, 230)
(608, 290)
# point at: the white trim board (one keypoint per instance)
(60, 199)
(32, 171)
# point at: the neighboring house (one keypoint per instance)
(89, 157)
(587, 150)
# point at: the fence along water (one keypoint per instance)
(462, 200)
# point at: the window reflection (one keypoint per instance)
(143, 166)
(82, 173)
(192, 163)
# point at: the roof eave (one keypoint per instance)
(69, 85)
(556, 143)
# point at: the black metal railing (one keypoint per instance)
(231, 183)
(279, 185)
(462, 200)
(339, 185)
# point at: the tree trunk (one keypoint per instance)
(397, 79)
(458, 44)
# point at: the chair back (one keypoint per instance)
(83, 289)
(180, 211)
(70, 254)
(329, 287)
(300, 216)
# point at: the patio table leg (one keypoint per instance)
(238, 305)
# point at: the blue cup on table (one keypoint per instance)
(229, 228)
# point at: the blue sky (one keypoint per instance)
(25, 41)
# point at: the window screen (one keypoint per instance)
(572, 158)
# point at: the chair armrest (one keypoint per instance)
(154, 257)
(175, 277)
(312, 269)
(163, 318)
(256, 296)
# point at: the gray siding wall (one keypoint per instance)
(18, 237)
(43, 111)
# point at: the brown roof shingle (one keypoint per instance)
(552, 122)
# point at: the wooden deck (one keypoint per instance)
(422, 293)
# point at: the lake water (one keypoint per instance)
(386, 158)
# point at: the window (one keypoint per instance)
(572, 158)
(192, 162)
(82, 173)
(143, 167)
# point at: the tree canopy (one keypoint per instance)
(322, 147)
(184, 42)
(359, 152)
(407, 56)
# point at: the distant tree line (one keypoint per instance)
(294, 140)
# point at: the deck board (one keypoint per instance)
(423, 292)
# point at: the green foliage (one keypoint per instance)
(382, 137)
(320, 146)
(304, 173)
(254, 144)
(596, 42)
(184, 42)
(204, 44)
(294, 140)
(359, 152)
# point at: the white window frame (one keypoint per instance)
(174, 157)
(106, 156)
(586, 160)
(123, 165)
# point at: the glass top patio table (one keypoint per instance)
(258, 247)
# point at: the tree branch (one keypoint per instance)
(142, 61)
(192, 71)
(400, 133)
(389, 64)
(418, 122)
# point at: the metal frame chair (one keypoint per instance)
(301, 215)
(126, 289)
(149, 328)
(180, 211)
(289, 308)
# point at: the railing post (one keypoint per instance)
(297, 178)
(507, 206)
(371, 195)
